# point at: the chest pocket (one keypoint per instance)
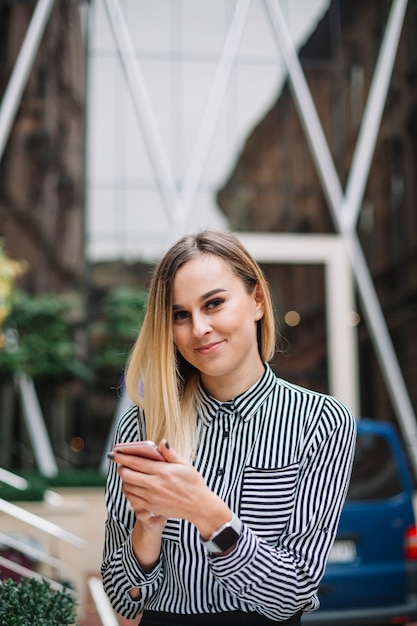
(267, 499)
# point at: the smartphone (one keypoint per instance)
(145, 449)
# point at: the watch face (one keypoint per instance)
(226, 538)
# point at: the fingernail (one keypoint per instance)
(110, 456)
(167, 444)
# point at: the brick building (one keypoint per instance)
(41, 170)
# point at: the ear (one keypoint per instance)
(259, 301)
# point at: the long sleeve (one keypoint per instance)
(279, 580)
(120, 569)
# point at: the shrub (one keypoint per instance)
(40, 339)
(32, 602)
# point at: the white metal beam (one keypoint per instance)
(331, 186)
(35, 425)
(101, 602)
(330, 251)
(143, 107)
(26, 572)
(372, 116)
(177, 203)
(211, 113)
(36, 521)
(23, 65)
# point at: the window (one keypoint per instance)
(375, 473)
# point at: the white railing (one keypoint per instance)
(101, 602)
(18, 482)
(42, 524)
(29, 573)
(32, 551)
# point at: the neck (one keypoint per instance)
(226, 388)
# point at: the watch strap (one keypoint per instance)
(225, 536)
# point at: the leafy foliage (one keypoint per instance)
(40, 339)
(31, 601)
(123, 310)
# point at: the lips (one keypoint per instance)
(209, 348)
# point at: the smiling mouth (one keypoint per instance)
(209, 348)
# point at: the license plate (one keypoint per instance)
(343, 551)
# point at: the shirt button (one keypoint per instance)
(226, 434)
(220, 472)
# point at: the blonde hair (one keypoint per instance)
(168, 382)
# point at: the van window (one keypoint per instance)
(375, 474)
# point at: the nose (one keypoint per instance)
(201, 325)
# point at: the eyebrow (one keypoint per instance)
(176, 307)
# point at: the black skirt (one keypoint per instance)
(237, 618)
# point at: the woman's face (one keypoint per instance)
(214, 321)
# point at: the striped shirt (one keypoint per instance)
(280, 456)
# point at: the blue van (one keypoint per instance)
(371, 576)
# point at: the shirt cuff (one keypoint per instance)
(233, 564)
(134, 573)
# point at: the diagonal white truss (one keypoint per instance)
(20, 74)
(344, 208)
(177, 206)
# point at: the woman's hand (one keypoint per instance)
(147, 532)
(157, 490)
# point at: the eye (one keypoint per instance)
(180, 315)
(213, 304)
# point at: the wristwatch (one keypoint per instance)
(225, 536)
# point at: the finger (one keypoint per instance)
(136, 492)
(137, 484)
(139, 506)
(169, 454)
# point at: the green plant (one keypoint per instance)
(32, 602)
(114, 333)
(41, 339)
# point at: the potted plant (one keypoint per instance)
(31, 601)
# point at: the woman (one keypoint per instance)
(237, 523)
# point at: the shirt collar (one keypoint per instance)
(245, 404)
